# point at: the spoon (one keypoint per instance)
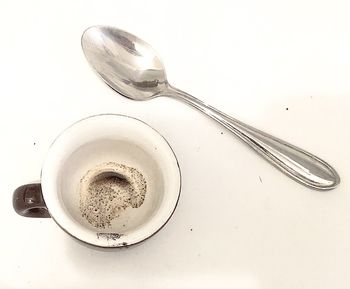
(132, 68)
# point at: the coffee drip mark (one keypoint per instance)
(109, 236)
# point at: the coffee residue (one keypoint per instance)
(107, 190)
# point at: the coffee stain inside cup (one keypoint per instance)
(109, 189)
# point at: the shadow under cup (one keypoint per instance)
(101, 140)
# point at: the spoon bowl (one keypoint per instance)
(126, 63)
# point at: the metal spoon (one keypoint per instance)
(131, 67)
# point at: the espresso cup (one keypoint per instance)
(108, 180)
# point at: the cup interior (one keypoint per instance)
(89, 151)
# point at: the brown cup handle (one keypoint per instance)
(28, 201)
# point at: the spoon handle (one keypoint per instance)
(298, 164)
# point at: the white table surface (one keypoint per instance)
(240, 223)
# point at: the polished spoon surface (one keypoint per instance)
(132, 67)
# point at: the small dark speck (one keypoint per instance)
(34, 143)
(287, 108)
(221, 132)
(191, 229)
(123, 225)
(311, 96)
(155, 148)
(260, 179)
(124, 243)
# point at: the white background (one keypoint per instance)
(252, 59)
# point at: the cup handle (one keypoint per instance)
(28, 201)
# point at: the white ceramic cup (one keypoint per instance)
(85, 145)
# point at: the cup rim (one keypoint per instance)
(122, 244)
